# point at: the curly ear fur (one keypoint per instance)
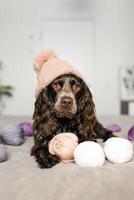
(44, 122)
(85, 118)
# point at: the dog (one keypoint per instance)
(65, 105)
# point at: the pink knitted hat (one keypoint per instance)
(48, 67)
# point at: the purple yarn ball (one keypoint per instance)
(114, 128)
(3, 153)
(131, 133)
(12, 135)
(27, 128)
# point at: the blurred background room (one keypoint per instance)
(96, 36)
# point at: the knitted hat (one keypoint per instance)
(48, 67)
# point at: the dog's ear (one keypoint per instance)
(44, 122)
(90, 125)
(85, 118)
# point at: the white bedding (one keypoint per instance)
(21, 179)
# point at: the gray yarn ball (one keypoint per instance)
(3, 153)
(12, 135)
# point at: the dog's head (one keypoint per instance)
(66, 95)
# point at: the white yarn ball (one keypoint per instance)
(89, 154)
(118, 150)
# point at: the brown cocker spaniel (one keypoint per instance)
(65, 105)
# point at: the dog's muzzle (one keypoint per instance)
(66, 103)
(65, 107)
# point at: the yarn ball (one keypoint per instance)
(63, 146)
(27, 128)
(131, 133)
(89, 154)
(12, 135)
(113, 128)
(3, 153)
(118, 150)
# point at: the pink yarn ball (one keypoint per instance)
(63, 145)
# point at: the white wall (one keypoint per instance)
(114, 46)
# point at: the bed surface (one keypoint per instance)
(21, 179)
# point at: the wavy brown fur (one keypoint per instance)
(46, 125)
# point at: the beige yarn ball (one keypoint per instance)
(63, 145)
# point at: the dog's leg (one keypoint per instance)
(41, 153)
(101, 132)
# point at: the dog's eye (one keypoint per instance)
(57, 87)
(75, 87)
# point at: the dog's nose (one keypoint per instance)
(66, 101)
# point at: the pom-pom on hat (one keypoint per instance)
(48, 67)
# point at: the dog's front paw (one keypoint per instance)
(48, 162)
(45, 159)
